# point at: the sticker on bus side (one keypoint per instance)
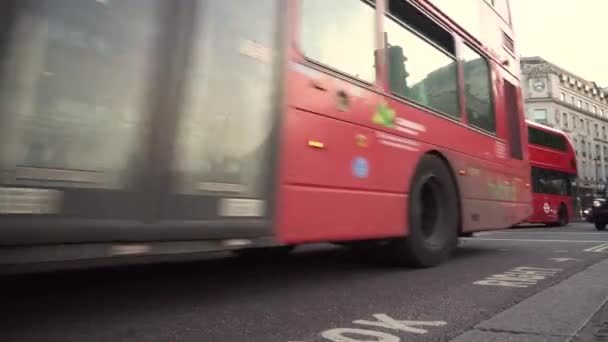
(360, 167)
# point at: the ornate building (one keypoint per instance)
(560, 99)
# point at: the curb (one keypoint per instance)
(555, 314)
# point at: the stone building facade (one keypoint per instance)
(560, 99)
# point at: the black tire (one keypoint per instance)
(562, 216)
(433, 217)
(600, 225)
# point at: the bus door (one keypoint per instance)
(222, 163)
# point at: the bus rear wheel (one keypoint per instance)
(433, 217)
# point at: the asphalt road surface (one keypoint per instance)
(320, 293)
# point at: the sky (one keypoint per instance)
(570, 34)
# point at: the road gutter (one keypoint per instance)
(555, 314)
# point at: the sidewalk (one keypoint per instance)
(554, 314)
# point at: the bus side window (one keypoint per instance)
(478, 90)
(514, 120)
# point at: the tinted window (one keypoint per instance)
(220, 146)
(340, 34)
(546, 139)
(551, 182)
(478, 90)
(513, 116)
(78, 107)
(420, 71)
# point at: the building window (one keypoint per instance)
(582, 124)
(572, 100)
(594, 109)
(583, 147)
(601, 112)
(478, 90)
(565, 120)
(584, 173)
(540, 115)
(605, 153)
(588, 127)
(562, 97)
(596, 130)
(586, 105)
(579, 104)
(573, 121)
(327, 38)
(576, 146)
(421, 72)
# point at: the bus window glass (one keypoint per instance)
(420, 71)
(326, 35)
(546, 139)
(551, 182)
(225, 126)
(478, 90)
(72, 98)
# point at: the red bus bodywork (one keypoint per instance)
(322, 168)
(326, 202)
(547, 205)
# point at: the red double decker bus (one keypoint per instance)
(554, 175)
(173, 127)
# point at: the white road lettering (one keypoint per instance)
(598, 249)
(340, 335)
(519, 277)
(564, 259)
(384, 321)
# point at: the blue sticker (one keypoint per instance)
(360, 167)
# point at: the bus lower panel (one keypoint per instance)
(310, 214)
(14, 232)
(25, 259)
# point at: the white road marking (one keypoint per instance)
(337, 335)
(532, 240)
(385, 321)
(598, 249)
(523, 276)
(382, 321)
(564, 259)
(561, 251)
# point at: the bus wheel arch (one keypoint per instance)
(456, 187)
(433, 215)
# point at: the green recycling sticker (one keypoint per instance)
(384, 115)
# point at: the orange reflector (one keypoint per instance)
(462, 172)
(527, 185)
(361, 140)
(316, 144)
